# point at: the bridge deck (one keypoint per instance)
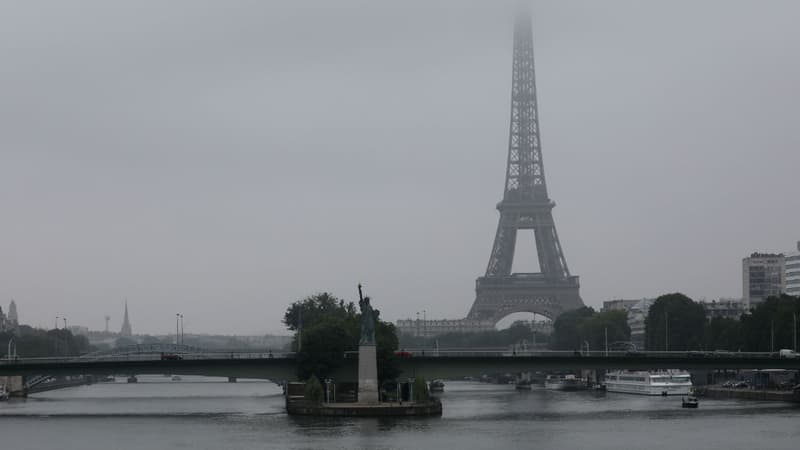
(442, 365)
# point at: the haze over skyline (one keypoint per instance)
(225, 159)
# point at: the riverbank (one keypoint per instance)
(717, 392)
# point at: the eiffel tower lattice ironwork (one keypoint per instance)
(525, 205)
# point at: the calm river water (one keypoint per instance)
(204, 413)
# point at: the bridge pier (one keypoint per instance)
(14, 385)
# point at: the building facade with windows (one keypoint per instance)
(792, 271)
(431, 328)
(726, 308)
(762, 277)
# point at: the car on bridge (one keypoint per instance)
(170, 357)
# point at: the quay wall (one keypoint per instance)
(750, 394)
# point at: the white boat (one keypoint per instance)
(567, 382)
(663, 382)
(436, 386)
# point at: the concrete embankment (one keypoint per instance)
(750, 394)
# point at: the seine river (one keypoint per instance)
(203, 413)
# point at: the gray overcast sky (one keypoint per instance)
(222, 159)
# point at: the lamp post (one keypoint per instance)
(666, 331)
(772, 336)
(12, 348)
(424, 327)
(56, 325)
(177, 331)
(182, 341)
(65, 322)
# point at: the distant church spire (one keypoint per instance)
(126, 324)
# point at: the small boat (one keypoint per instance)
(176, 378)
(689, 402)
(436, 386)
(567, 382)
(132, 379)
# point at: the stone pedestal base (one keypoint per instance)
(367, 375)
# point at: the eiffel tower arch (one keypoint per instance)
(525, 206)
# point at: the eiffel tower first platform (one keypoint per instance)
(525, 206)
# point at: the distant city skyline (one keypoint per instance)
(224, 160)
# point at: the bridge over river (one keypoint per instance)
(451, 364)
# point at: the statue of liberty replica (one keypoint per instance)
(367, 361)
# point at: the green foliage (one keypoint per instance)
(313, 390)
(774, 315)
(324, 344)
(724, 334)
(420, 390)
(331, 327)
(33, 342)
(573, 328)
(386, 343)
(311, 309)
(677, 316)
(567, 329)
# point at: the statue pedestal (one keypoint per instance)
(367, 375)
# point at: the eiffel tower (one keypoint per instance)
(525, 206)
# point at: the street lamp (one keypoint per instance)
(65, 322)
(177, 331)
(56, 325)
(424, 327)
(182, 341)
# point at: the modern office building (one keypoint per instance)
(762, 277)
(792, 271)
(637, 316)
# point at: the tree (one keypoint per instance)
(568, 329)
(769, 326)
(313, 390)
(610, 324)
(31, 342)
(677, 319)
(311, 309)
(331, 327)
(724, 334)
(324, 345)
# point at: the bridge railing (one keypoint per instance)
(416, 352)
(150, 357)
